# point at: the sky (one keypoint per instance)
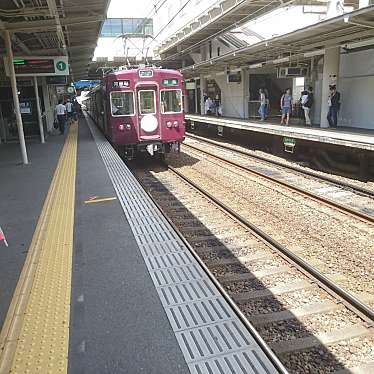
(130, 8)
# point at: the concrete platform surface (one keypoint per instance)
(354, 138)
(23, 189)
(112, 288)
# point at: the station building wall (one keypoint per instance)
(356, 85)
(232, 96)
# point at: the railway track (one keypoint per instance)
(316, 183)
(330, 238)
(311, 323)
(295, 181)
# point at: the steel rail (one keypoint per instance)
(351, 186)
(343, 208)
(350, 301)
(257, 337)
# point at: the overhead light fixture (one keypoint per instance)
(319, 52)
(254, 66)
(281, 60)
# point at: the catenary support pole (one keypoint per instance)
(13, 82)
(40, 121)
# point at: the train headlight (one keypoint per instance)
(175, 124)
(148, 123)
(128, 127)
(121, 127)
(169, 124)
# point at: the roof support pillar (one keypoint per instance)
(40, 121)
(246, 98)
(13, 82)
(331, 64)
(48, 109)
(202, 94)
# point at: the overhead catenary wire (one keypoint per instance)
(172, 19)
(150, 14)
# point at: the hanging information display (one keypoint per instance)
(39, 66)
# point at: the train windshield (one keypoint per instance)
(147, 102)
(171, 101)
(122, 103)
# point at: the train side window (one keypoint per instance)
(171, 101)
(122, 103)
(147, 102)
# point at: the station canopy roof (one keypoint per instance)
(295, 46)
(222, 16)
(54, 28)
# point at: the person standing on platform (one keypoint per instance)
(77, 109)
(262, 108)
(209, 105)
(334, 106)
(306, 104)
(60, 112)
(286, 107)
(267, 106)
(205, 98)
(216, 104)
(69, 111)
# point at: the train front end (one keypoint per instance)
(145, 108)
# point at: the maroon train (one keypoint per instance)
(140, 109)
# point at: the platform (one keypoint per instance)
(98, 280)
(353, 138)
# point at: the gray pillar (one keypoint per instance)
(245, 82)
(49, 111)
(196, 101)
(40, 121)
(330, 76)
(13, 82)
(202, 90)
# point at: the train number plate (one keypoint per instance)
(145, 73)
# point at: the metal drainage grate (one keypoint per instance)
(210, 335)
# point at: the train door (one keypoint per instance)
(148, 114)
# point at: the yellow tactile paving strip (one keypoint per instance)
(35, 335)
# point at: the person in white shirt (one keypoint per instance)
(69, 110)
(208, 105)
(262, 108)
(60, 112)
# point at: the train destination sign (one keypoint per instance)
(170, 82)
(121, 83)
(39, 66)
